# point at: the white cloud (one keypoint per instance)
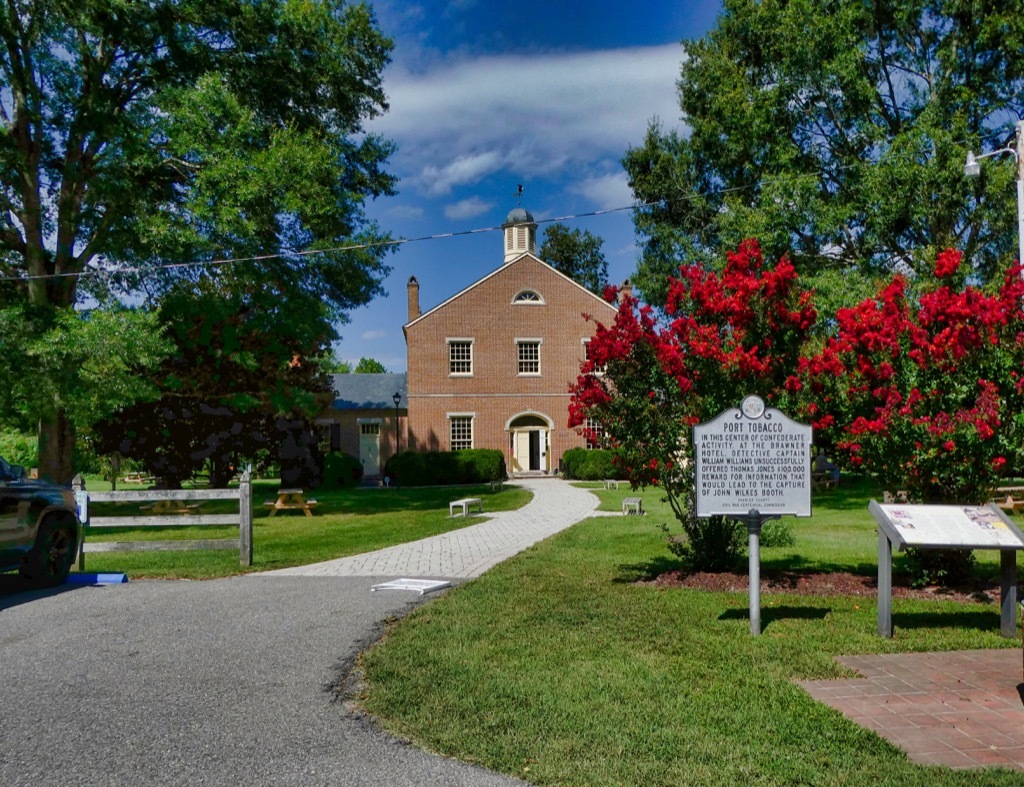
(606, 192)
(369, 336)
(404, 212)
(467, 208)
(464, 119)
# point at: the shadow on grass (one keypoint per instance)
(968, 620)
(771, 614)
(799, 563)
(648, 570)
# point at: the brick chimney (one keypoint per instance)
(414, 298)
(625, 289)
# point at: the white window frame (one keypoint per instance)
(453, 340)
(520, 344)
(595, 426)
(521, 298)
(599, 372)
(461, 417)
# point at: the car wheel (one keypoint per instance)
(49, 562)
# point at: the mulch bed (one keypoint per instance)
(819, 584)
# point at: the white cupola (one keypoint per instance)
(520, 234)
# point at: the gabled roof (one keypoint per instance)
(368, 391)
(526, 256)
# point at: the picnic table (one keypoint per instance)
(1009, 498)
(290, 499)
(171, 507)
(138, 478)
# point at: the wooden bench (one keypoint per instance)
(822, 479)
(900, 496)
(633, 504)
(611, 483)
(1010, 504)
(464, 504)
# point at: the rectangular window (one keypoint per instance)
(460, 356)
(461, 432)
(529, 356)
(594, 432)
(598, 370)
(369, 428)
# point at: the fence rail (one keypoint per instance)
(243, 519)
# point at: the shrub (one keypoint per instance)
(439, 468)
(19, 449)
(588, 465)
(341, 470)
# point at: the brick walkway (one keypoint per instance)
(962, 709)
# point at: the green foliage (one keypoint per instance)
(189, 132)
(341, 470)
(433, 468)
(19, 449)
(836, 135)
(577, 254)
(589, 465)
(777, 533)
(369, 366)
(942, 567)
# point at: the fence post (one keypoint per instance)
(245, 519)
(78, 485)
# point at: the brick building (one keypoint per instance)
(491, 366)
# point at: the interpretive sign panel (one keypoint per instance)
(952, 527)
(752, 458)
(947, 527)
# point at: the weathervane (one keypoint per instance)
(519, 196)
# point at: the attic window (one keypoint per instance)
(528, 296)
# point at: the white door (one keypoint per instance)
(369, 448)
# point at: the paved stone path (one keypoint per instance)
(960, 709)
(469, 551)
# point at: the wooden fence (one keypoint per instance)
(185, 500)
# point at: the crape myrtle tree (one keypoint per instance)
(836, 133)
(649, 380)
(138, 134)
(923, 388)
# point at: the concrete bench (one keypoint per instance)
(464, 504)
(633, 504)
(611, 483)
(497, 485)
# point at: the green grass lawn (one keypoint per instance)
(558, 667)
(346, 522)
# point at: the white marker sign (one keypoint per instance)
(753, 458)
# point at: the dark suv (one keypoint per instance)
(39, 528)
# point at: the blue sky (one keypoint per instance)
(485, 96)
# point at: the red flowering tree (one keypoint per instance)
(648, 380)
(926, 393)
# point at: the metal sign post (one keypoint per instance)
(753, 464)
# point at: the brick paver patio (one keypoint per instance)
(962, 709)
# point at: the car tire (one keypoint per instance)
(49, 562)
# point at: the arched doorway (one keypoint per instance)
(529, 439)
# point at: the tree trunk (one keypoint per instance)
(56, 444)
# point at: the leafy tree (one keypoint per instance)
(370, 366)
(238, 386)
(725, 336)
(136, 134)
(837, 134)
(577, 254)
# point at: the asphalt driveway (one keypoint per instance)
(185, 683)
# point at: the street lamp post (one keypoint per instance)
(398, 435)
(972, 169)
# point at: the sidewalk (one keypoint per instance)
(469, 552)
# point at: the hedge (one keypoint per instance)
(341, 470)
(583, 465)
(439, 468)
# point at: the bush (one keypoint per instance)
(943, 567)
(19, 449)
(439, 468)
(584, 465)
(341, 470)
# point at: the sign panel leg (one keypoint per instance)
(754, 550)
(884, 585)
(1008, 593)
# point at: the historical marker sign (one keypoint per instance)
(753, 458)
